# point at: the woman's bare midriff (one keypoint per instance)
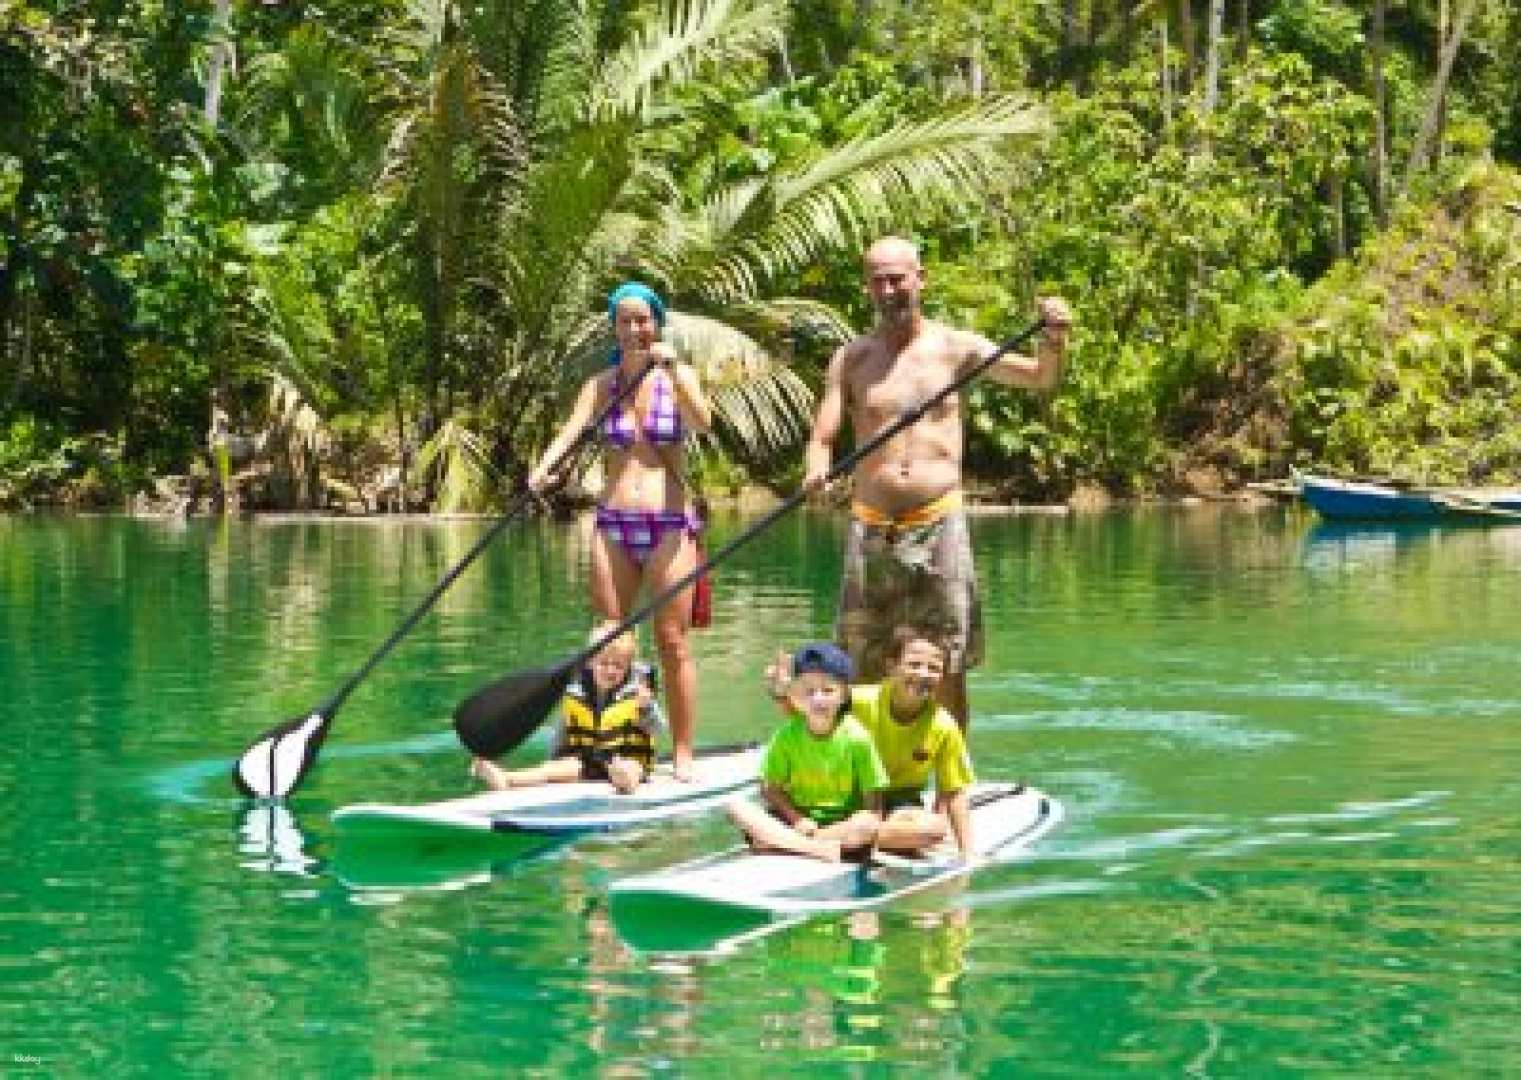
(639, 479)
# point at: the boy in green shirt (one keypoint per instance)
(915, 738)
(820, 776)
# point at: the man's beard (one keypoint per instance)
(895, 312)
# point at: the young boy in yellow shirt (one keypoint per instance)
(915, 739)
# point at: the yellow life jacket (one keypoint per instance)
(616, 729)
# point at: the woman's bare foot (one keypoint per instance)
(684, 770)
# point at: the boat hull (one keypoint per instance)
(1346, 500)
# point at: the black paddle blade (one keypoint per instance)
(497, 718)
(275, 762)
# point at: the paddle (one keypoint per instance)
(277, 760)
(498, 717)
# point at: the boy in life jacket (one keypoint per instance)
(820, 775)
(916, 739)
(607, 725)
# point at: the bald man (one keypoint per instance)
(908, 557)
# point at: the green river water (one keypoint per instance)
(1288, 757)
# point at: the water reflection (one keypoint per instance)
(1353, 546)
(272, 836)
(869, 988)
(387, 869)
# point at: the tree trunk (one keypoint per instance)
(1090, 46)
(1444, 27)
(221, 55)
(1127, 27)
(1420, 153)
(1243, 28)
(1380, 119)
(216, 69)
(1212, 57)
(1069, 40)
(1190, 44)
(860, 21)
(1166, 76)
(10, 309)
(1338, 194)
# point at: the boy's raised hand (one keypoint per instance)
(779, 675)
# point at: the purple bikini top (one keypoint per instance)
(662, 420)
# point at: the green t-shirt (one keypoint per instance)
(909, 752)
(826, 778)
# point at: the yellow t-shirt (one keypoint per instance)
(931, 741)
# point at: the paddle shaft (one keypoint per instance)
(274, 763)
(332, 704)
(841, 467)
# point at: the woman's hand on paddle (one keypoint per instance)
(540, 481)
(806, 825)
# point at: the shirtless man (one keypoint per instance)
(908, 557)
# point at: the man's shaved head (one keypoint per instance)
(893, 249)
(893, 280)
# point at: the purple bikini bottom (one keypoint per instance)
(639, 532)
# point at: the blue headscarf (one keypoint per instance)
(637, 291)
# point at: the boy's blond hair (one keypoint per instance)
(626, 642)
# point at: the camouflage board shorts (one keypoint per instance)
(919, 575)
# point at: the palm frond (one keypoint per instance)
(685, 39)
(760, 403)
(847, 193)
(295, 436)
(764, 418)
(307, 88)
(292, 419)
(466, 478)
(558, 238)
(288, 326)
(456, 104)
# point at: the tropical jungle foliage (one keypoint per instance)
(355, 254)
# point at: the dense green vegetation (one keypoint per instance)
(357, 254)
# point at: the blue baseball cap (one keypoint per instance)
(825, 657)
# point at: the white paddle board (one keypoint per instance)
(584, 806)
(741, 892)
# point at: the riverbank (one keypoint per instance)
(1084, 501)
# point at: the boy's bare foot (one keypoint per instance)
(490, 774)
(826, 849)
(624, 775)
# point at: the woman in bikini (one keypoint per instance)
(647, 526)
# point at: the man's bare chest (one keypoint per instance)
(884, 387)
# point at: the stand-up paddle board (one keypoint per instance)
(722, 899)
(585, 806)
